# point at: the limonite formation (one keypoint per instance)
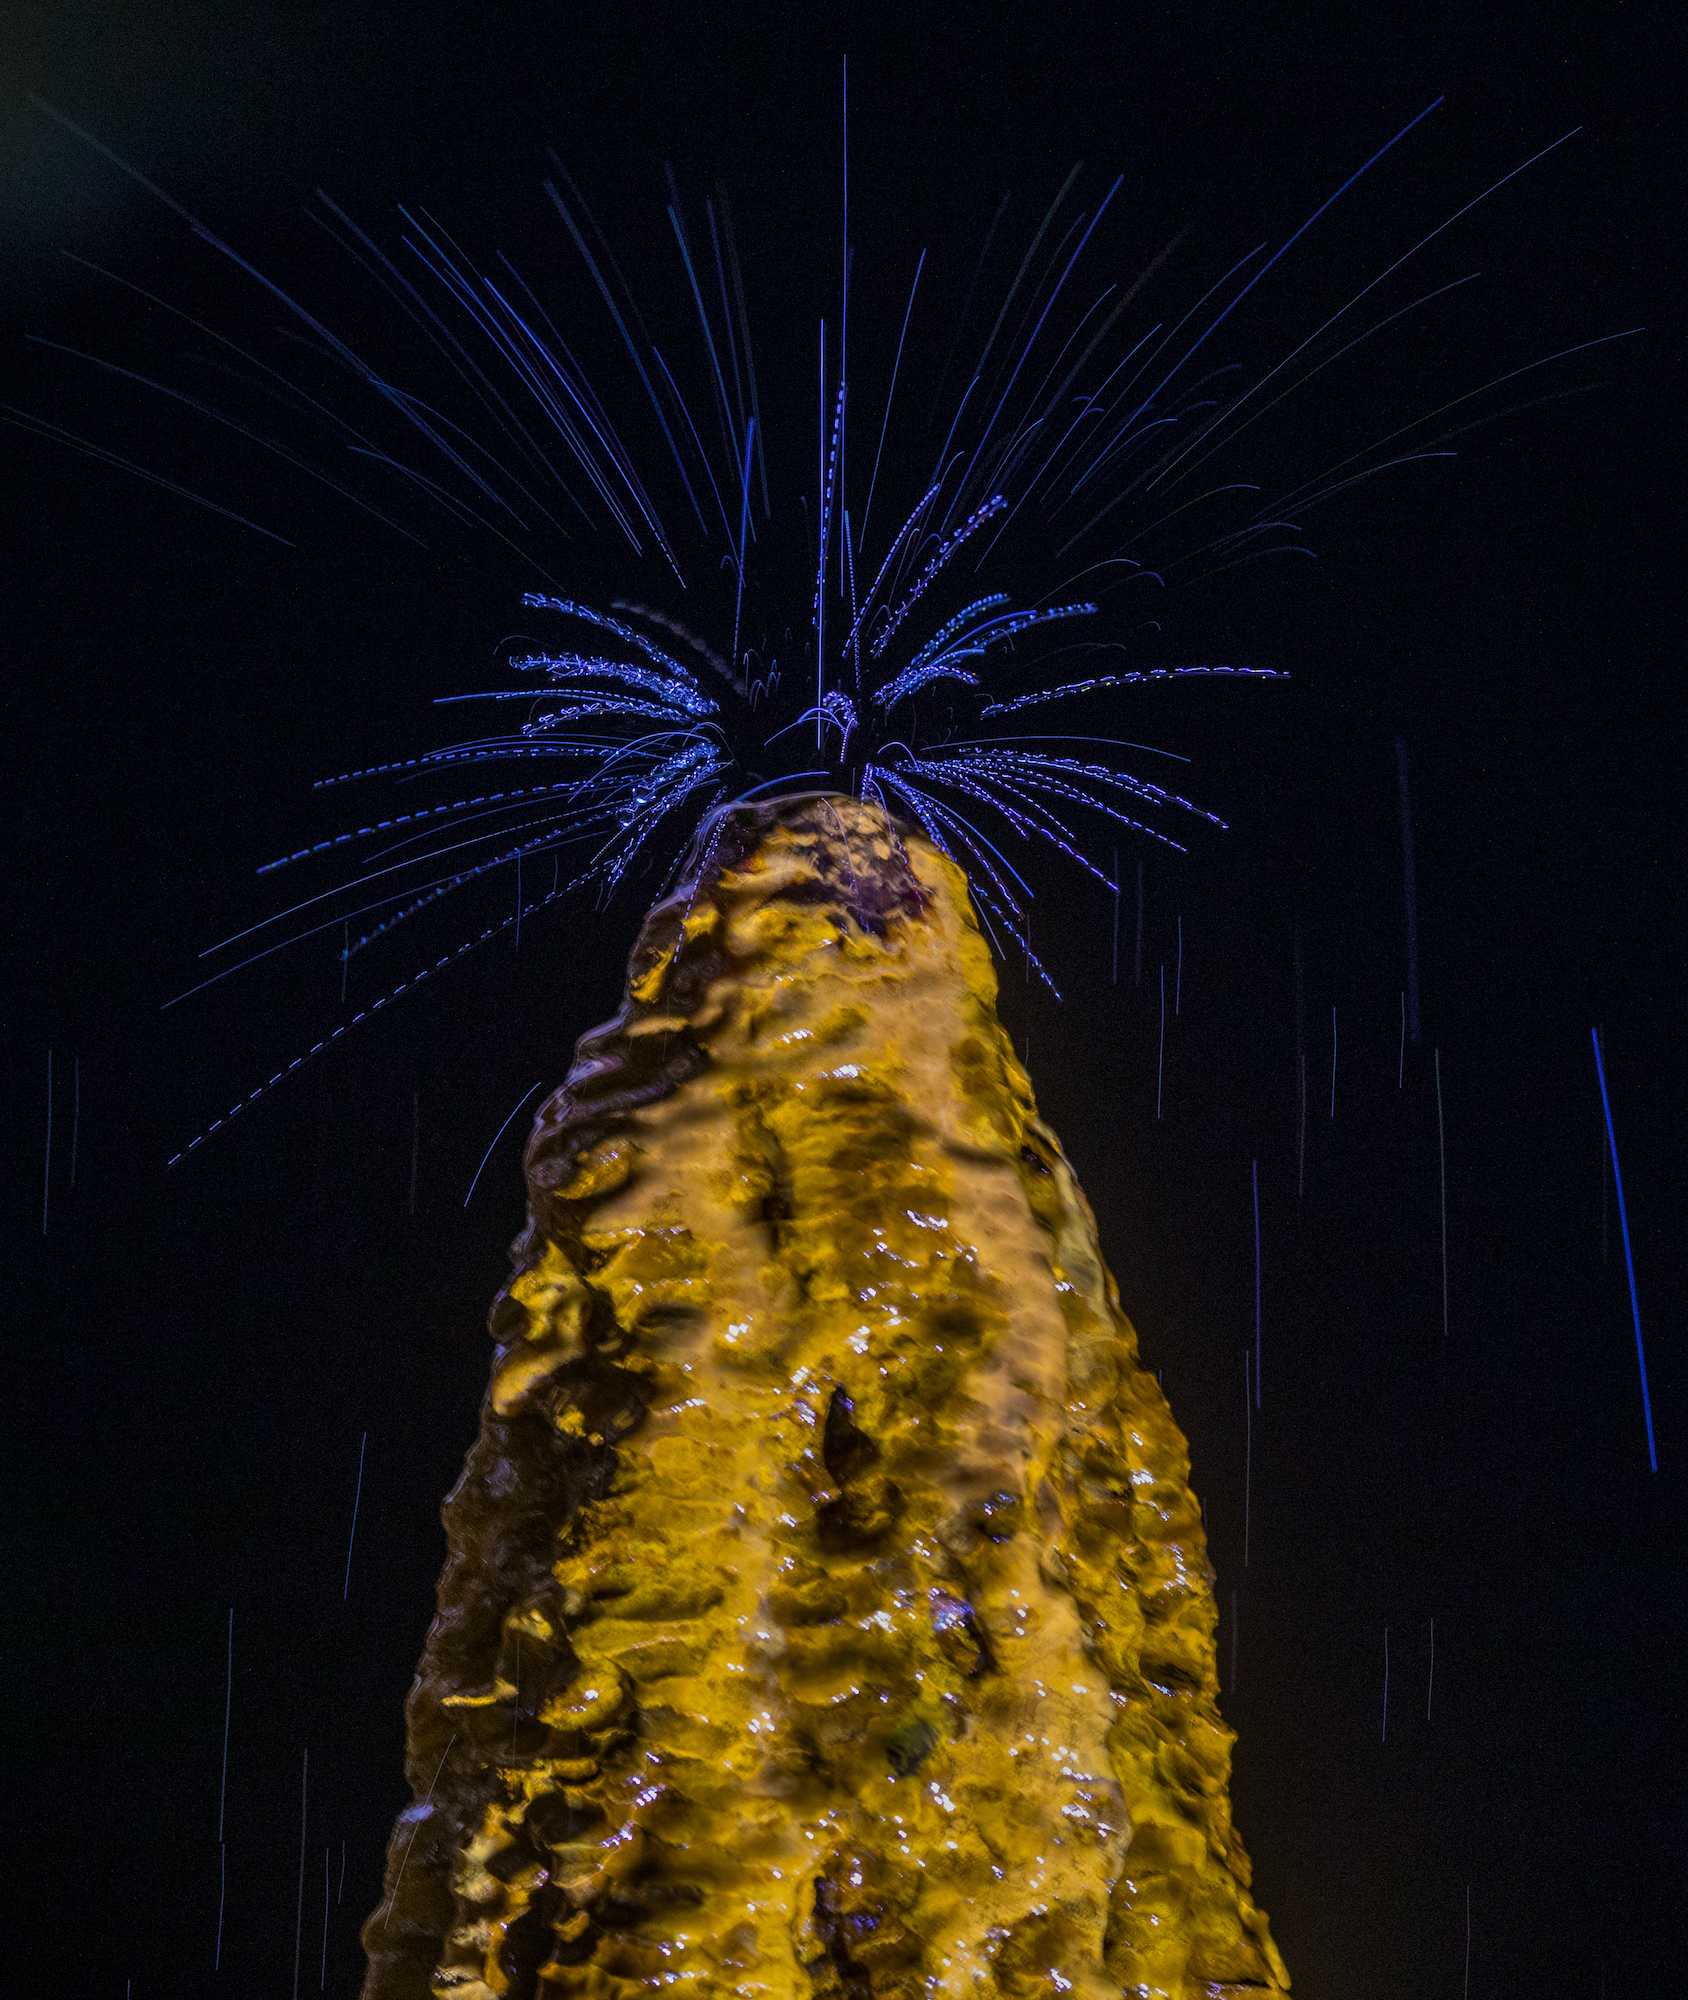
(827, 1609)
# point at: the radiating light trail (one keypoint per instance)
(1629, 1257)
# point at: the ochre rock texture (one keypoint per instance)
(827, 1611)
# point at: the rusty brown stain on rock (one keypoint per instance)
(827, 1611)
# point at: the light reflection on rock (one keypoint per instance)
(827, 1612)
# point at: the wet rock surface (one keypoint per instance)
(826, 1610)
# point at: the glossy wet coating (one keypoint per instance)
(827, 1610)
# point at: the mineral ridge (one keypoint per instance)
(827, 1611)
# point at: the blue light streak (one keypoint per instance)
(1629, 1255)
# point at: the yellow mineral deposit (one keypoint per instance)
(827, 1611)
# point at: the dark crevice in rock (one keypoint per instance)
(846, 1449)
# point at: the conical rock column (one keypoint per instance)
(827, 1611)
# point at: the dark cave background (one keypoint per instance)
(197, 1354)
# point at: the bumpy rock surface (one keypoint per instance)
(827, 1612)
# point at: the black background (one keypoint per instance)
(197, 1354)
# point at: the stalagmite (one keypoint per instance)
(827, 1611)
